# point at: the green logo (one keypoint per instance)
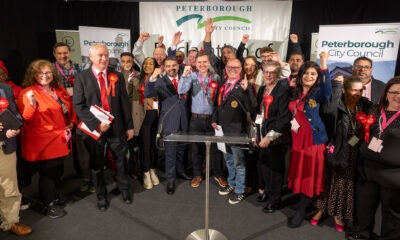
(200, 24)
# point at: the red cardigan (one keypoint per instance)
(43, 134)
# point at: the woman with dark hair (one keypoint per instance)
(337, 200)
(49, 117)
(307, 171)
(379, 169)
(145, 120)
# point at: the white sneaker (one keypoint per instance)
(153, 176)
(147, 184)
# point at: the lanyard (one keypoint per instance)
(203, 83)
(227, 90)
(353, 123)
(383, 122)
(62, 72)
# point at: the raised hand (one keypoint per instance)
(244, 83)
(144, 36)
(209, 27)
(323, 56)
(187, 71)
(294, 38)
(176, 39)
(276, 56)
(31, 97)
(160, 40)
(245, 38)
(156, 73)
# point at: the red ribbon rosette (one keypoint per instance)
(220, 95)
(213, 86)
(112, 79)
(141, 90)
(267, 101)
(3, 104)
(366, 121)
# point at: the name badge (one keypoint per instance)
(295, 125)
(155, 104)
(259, 119)
(375, 145)
(353, 140)
(70, 91)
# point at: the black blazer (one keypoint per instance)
(87, 93)
(173, 107)
(377, 88)
(278, 112)
(232, 113)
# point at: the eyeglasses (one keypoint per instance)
(48, 74)
(269, 73)
(359, 67)
(393, 93)
(232, 68)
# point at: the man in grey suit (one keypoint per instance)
(373, 88)
(103, 87)
(173, 117)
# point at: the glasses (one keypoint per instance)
(359, 67)
(269, 73)
(48, 74)
(394, 93)
(232, 68)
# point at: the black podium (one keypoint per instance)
(206, 233)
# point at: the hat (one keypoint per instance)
(4, 68)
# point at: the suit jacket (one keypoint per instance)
(87, 93)
(377, 88)
(232, 113)
(173, 107)
(278, 112)
(10, 143)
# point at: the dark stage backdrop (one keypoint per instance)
(27, 28)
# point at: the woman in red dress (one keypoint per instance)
(306, 171)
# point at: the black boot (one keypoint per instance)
(296, 220)
(55, 211)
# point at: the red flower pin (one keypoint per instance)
(112, 79)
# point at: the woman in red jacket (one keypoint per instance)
(46, 108)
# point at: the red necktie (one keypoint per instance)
(103, 92)
(175, 83)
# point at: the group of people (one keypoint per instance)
(342, 134)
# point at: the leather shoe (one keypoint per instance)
(102, 204)
(20, 229)
(170, 188)
(184, 176)
(127, 197)
(263, 198)
(354, 236)
(270, 208)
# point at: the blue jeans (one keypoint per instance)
(236, 164)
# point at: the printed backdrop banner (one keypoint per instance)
(116, 40)
(71, 37)
(345, 43)
(265, 21)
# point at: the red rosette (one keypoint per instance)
(267, 101)
(112, 79)
(220, 95)
(141, 90)
(3, 104)
(367, 121)
(72, 80)
(213, 86)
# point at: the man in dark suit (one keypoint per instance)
(236, 102)
(92, 88)
(173, 117)
(373, 88)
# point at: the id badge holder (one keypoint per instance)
(259, 119)
(295, 125)
(155, 104)
(375, 144)
(353, 140)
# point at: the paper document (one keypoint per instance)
(219, 132)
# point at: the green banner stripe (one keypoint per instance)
(187, 18)
(226, 18)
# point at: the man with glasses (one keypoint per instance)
(234, 103)
(373, 88)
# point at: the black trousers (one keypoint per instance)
(50, 173)
(272, 167)
(368, 196)
(203, 125)
(148, 151)
(96, 149)
(174, 154)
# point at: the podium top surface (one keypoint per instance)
(201, 137)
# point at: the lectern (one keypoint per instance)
(206, 233)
